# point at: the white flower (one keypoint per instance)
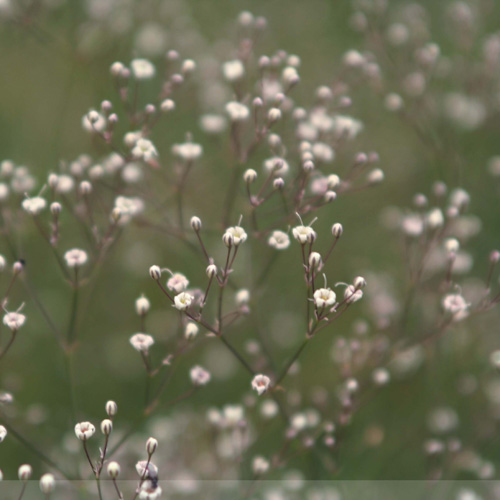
(304, 234)
(144, 149)
(191, 330)
(261, 383)
(142, 305)
(84, 431)
(212, 123)
(142, 69)
(24, 472)
(346, 126)
(352, 294)
(199, 376)
(127, 208)
(177, 282)
(279, 240)
(260, 465)
(47, 483)
(454, 303)
(324, 297)
(94, 121)
(277, 166)
(237, 233)
(14, 320)
(141, 342)
(233, 70)
(75, 257)
(149, 491)
(3, 433)
(182, 301)
(237, 112)
(232, 415)
(152, 470)
(435, 218)
(412, 225)
(188, 151)
(65, 184)
(34, 205)
(323, 152)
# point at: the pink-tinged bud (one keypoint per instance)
(151, 445)
(494, 256)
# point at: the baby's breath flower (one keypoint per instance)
(142, 305)
(3, 433)
(199, 376)
(237, 112)
(277, 166)
(84, 431)
(435, 218)
(212, 123)
(233, 70)
(24, 472)
(324, 297)
(155, 272)
(304, 234)
(454, 303)
(14, 320)
(188, 151)
(111, 408)
(3, 263)
(141, 342)
(237, 233)
(182, 301)
(191, 330)
(177, 282)
(151, 445)
(142, 69)
(94, 121)
(211, 270)
(260, 465)
(47, 483)
(34, 205)
(279, 240)
(352, 294)
(106, 427)
(261, 383)
(250, 176)
(144, 149)
(75, 257)
(149, 491)
(113, 470)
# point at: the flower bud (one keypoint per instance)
(376, 176)
(17, 267)
(228, 239)
(151, 445)
(155, 272)
(195, 223)
(142, 306)
(111, 408)
(494, 256)
(167, 105)
(315, 260)
(85, 188)
(273, 115)
(116, 214)
(359, 282)
(55, 208)
(250, 176)
(278, 183)
(106, 427)
(24, 472)
(452, 245)
(191, 330)
(47, 484)
(330, 196)
(337, 230)
(113, 470)
(211, 270)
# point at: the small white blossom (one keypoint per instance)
(75, 257)
(277, 166)
(304, 234)
(191, 330)
(65, 184)
(142, 305)
(34, 205)
(177, 282)
(435, 218)
(3, 433)
(261, 383)
(182, 301)
(188, 151)
(149, 491)
(199, 376)
(47, 483)
(84, 430)
(242, 297)
(324, 297)
(24, 472)
(14, 320)
(237, 112)
(233, 70)
(212, 123)
(94, 122)
(260, 465)
(455, 304)
(279, 240)
(237, 233)
(352, 294)
(144, 149)
(142, 69)
(141, 342)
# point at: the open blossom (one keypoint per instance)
(237, 112)
(279, 240)
(144, 149)
(142, 69)
(237, 233)
(324, 297)
(352, 294)
(14, 320)
(199, 376)
(177, 282)
(261, 383)
(128, 207)
(454, 303)
(34, 205)
(183, 300)
(304, 234)
(94, 121)
(188, 151)
(75, 257)
(260, 465)
(149, 491)
(233, 70)
(141, 342)
(84, 430)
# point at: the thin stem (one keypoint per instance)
(118, 492)
(9, 344)
(236, 354)
(88, 456)
(292, 360)
(25, 483)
